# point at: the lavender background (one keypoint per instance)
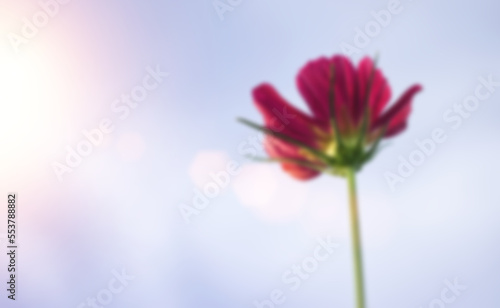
(119, 209)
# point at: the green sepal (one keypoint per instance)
(374, 148)
(287, 139)
(366, 110)
(333, 118)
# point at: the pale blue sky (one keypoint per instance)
(116, 212)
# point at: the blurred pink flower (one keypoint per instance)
(349, 116)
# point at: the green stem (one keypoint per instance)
(356, 239)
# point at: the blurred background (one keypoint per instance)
(163, 82)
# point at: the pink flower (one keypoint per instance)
(348, 117)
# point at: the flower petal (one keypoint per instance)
(314, 83)
(282, 117)
(396, 129)
(345, 89)
(278, 149)
(395, 117)
(380, 91)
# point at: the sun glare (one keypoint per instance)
(28, 109)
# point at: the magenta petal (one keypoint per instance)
(395, 129)
(313, 82)
(396, 116)
(282, 117)
(345, 87)
(380, 91)
(278, 149)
